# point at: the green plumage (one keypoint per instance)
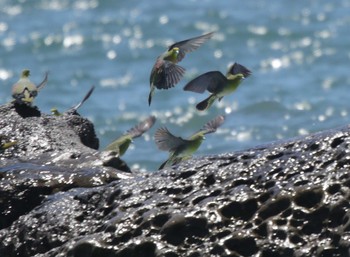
(24, 91)
(5, 143)
(166, 73)
(181, 149)
(217, 84)
(121, 144)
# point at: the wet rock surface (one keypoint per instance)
(290, 198)
(47, 140)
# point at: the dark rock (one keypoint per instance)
(289, 198)
(240, 210)
(309, 198)
(48, 140)
(178, 228)
(245, 246)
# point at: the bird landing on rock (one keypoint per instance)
(181, 149)
(121, 144)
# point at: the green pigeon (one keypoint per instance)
(217, 84)
(24, 91)
(6, 145)
(122, 143)
(166, 73)
(73, 110)
(181, 149)
(55, 112)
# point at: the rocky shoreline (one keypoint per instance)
(61, 197)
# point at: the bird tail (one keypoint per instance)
(43, 83)
(88, 94)
(151, 93)
(173, 160)
(206, 103)
(237, 68)
(163, 165)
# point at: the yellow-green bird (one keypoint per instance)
(74, 109)
(217, 84)
(181, 149)
(122, 143)
(6, 145)
(24, 91)
(166, 73)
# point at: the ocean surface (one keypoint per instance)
(298, 51)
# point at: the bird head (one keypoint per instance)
(240, 76)
(237, 68)
(237, 77)
(25, 73)
(55, 112)
(175, 52)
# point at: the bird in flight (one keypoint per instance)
(121, 144)
(181, 149)
(217, 84)
(166, 73)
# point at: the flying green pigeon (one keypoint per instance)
(73, 110)
(122, 143)
(24, 91)
(181, 149)
(166, 73)
(217, 84)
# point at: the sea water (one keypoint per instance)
(298, 52)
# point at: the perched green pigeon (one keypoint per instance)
(122, 143)
(181, 149)
(166, 73)
(24, 91)
(217, 84)
(74, 109)
(6, 145)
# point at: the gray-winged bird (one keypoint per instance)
(181, 149)
(166, 73)
(24, 91)
(122, 143)
(217, 84)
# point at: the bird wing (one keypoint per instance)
(237, 68)
(212, 125)
(212, 81)
(88, 94)
(166, 74)
(43, 83)
(167, 141)
(142, 127)
(190, 45)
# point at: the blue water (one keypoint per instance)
(298, 51)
